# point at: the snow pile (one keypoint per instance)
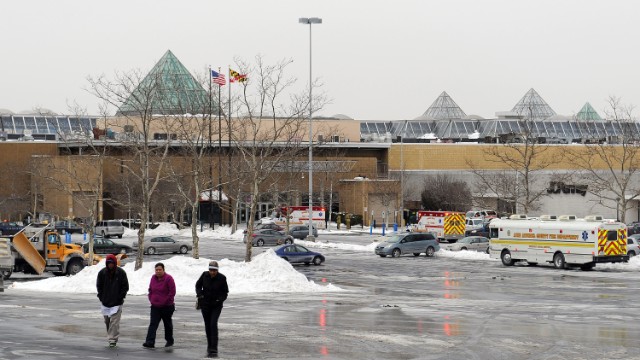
(465, 255)
(342, 246)
(220, 232)
(265, 273)
(632, 266)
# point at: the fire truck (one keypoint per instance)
(299, 215)
(563, 241)
(444, 225)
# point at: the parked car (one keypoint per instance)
(301, 231)
(265, 226)
(68, 226)
(163, 244)
(633, 245)
(108, 228)
(633, 228)
(473, 224)
(295, 253)
(410, 243)
(135, 224)
(106, 246)
(477, 243)
(9, 228)
(486, 214)
(269, 237)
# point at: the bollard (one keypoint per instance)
(395, 227)
(384, 226)
(338, 218)
(67, 238)
(348, 222)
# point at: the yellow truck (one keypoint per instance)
(6, 261)
(45, 251)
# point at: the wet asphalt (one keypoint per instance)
(391, 308)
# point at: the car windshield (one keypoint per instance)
(491, 213)
(394, 239)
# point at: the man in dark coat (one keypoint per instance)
(113, 285)
(212, 290)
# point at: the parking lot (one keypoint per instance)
(442, 307)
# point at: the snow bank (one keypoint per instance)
(265, 273)
(465, 255)
(220, 232)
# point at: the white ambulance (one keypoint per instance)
(563, 241)
(299, 215)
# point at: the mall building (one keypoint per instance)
(360, 167)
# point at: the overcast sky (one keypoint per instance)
(378, 60)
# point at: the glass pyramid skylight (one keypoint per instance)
(168, 89)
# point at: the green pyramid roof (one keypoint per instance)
(172, 90)
(588, 113)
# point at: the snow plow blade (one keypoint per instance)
(29, 252)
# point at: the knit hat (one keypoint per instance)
(213, 265)
(111, 258)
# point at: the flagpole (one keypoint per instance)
(209, 152)
(229, 130)
(219, 146)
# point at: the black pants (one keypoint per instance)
(164, 314)
(211, 317)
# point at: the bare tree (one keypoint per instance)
(611, 167)
(388, 194)
(521, 165)
(267, 132)
(149, 109)
(443, 192)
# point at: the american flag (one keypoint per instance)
(218, 78)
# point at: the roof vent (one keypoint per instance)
(567, 217)
(548, 217)
(593, 218)
(518, 217)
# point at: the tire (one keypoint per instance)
(317, 261)
(631, 254)
(506, 258)
(74, 266)
(416, 254)
(430, 251)
(104, 236)
(288, 241)
(123, 251)
(183, 249)
(558, 261)
(463, 248)
(6, 274)
(383, 255)
(488, 252)
(395, 253)
(151, 250)
(260, 242)
(119, 236)
(285, 259)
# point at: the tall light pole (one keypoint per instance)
(310, 21)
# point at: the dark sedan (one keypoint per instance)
(9, 228)
(71, 227)
(295, 253)
(106, 246)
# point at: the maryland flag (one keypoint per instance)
(236, 76)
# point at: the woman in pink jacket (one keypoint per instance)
(162, 291)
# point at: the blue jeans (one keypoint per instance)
(164, 314)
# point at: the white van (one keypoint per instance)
(109, 228)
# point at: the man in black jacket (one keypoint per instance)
(112, 287)
(212, 291)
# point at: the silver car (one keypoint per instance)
(163, 244)
(473, 243)
(302, 231)
(268, 237)
(633, 245)
(410, 243)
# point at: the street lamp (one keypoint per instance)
(310, 21)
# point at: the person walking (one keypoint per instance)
(162, 291)
(212, 291)
(112, 285)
